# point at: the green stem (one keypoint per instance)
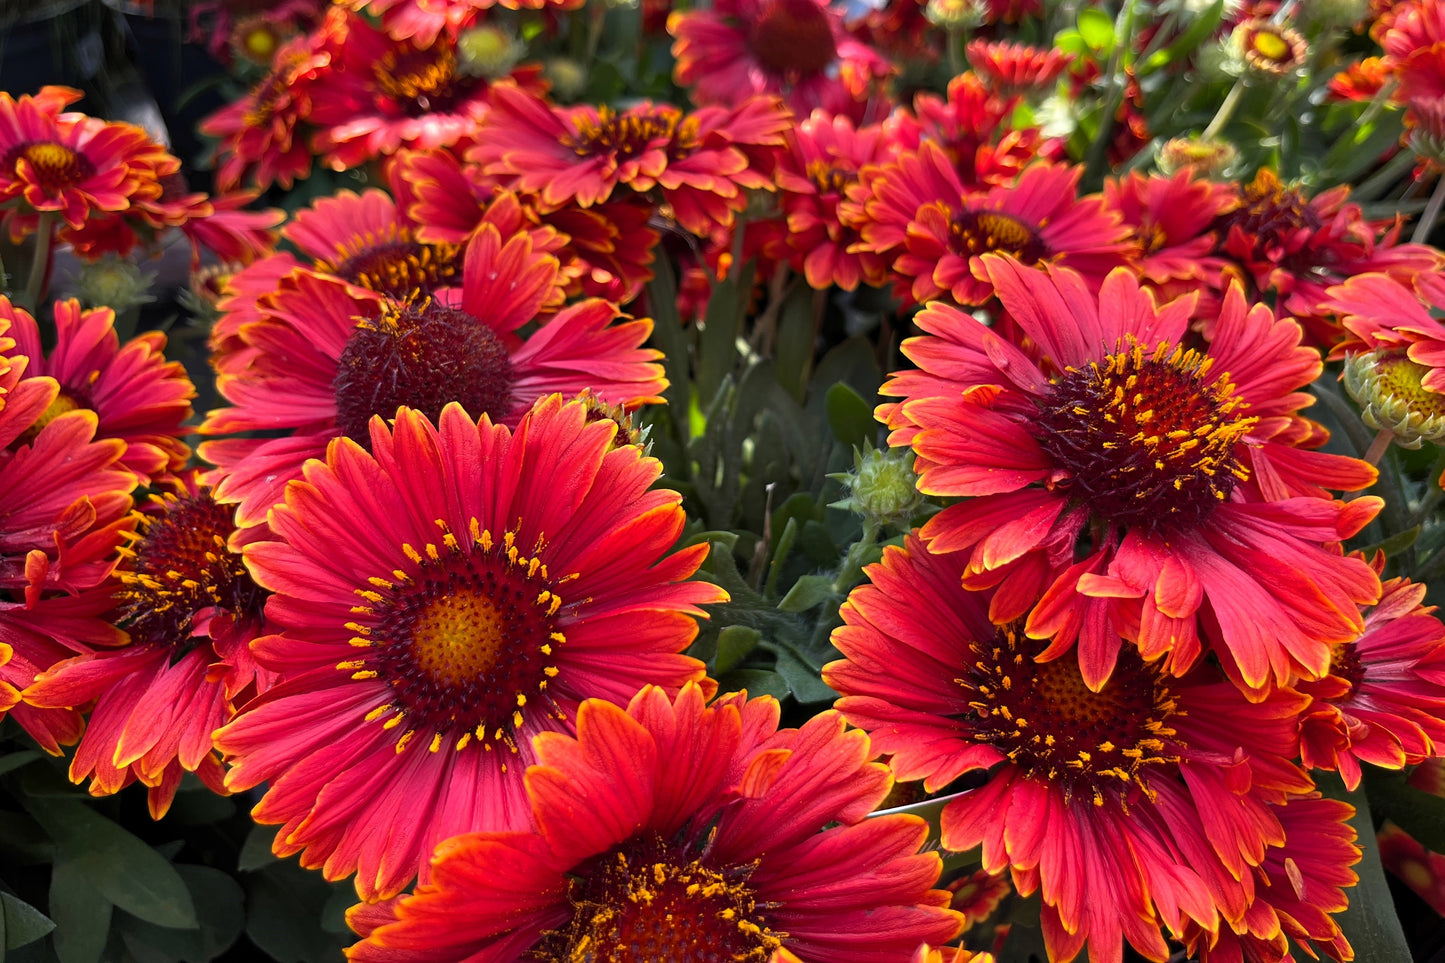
(1094, 161)
(1432, 211)
(1226, 110)
(39, 262)
(1433, 492)
(851, 570)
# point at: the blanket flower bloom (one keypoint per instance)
(676, 831)
(1143, 487)
(137, 395)
(1153, 789)
(797, 48)
(438, 602)
(327, 356)
(1384, 699)
(190, 609)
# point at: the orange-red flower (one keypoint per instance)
(941, 229)
(823, 158)
(1172, 219)
(695, 832)
(439, 601)
(65, 163)
(1131, 806)
(422, 21)
(1144, 487)
(698, 163)
(797, 48)
(1379, 312)
(322, 360)
(1013, 67)
(1383, 701)
(137, 395)
(190, 609)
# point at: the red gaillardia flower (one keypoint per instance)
(1381, 313)
(57, 540)
(678, 832)
(137, 395)
(1129, 806)
(1300, 886)
(325, 361)
(1014, 67)
(1146, 488)
(1296, 248)
(440, 601)
(1383, 701)
(190, 609)
(64, 163)
(797, 48)
(698, 163)
(1172, 218)
(825, 154)
(261, 135)
(941, 229)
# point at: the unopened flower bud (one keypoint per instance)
(883, 486)
(567, 77)
(962, 15)
(489, 52)
(1207, 157)
(1387, 387)
(113, 282)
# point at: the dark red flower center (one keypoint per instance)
(464, 634)
(1271, 217)
(794, 38)
(624, 136)
(830, 178)
(54, 166)
(179, 566)
(1096, 745)
(423, 357)
(420, 80)
(268, 96)
(1345, 663)
(644, 901)
(1147, 439)
(978, 232)
(401, 267)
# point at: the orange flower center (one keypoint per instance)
(1147, 439)
(794, 38)
(830, 178)
(643, 903)
(179, 566)
(1099, 745)
(624, 135)
(53, 165)
(400, 267)
(424, 80)
(464, 636)
(64, 401)
(423, 357)
(978, 232)
(271, 93)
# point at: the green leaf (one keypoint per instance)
(849, 416)
(220, 905)
(733, 645)
(121, 867)
(808, 591)
(14, 760)
(793, 347)
(256, 850)
(284, 904)
(1370, 923)
(1419, 813)
(803, 679)
(1197, 32)
(24, 923)
(757, 682)
(1097, 28)
(669, 337)
(717, 349)
(82, 915)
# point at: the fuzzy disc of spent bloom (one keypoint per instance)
(190, 609)
(1268, 49)
(323, 357)
(1136, 482)
(438, 602)
(1384, 697)
(676, 831)
(138, 396)
(1209, 157)
(1119, 784)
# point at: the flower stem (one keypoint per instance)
(852, 568)
(1378, 446)
(39, 263)
(1226, 110)
(1431, 213)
